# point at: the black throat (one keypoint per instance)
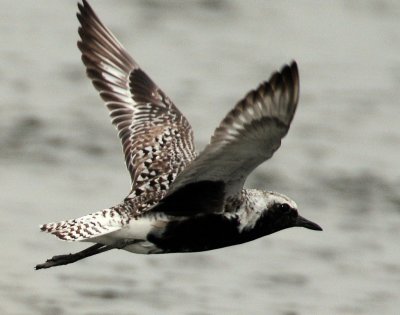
(201, 233)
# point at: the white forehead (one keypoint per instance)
(265, 199)
(280, 198)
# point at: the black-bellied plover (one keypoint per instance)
(180, 201)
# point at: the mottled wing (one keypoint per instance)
(156, 138)
(248, 136)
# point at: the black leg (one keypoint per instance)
(71, 258)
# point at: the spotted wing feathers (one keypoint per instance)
(156, 137)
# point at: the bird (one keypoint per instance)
(180, 201)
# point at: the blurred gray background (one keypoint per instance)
(60, 157)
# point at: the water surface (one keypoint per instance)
(60, 157)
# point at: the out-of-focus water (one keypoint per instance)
(60, 157)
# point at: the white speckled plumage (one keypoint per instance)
(175, 195)
(255, 202)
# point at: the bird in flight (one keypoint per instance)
(180, 201)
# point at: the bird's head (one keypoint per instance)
(278, 212)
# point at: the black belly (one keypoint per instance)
(199, 233)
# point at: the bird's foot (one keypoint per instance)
(60, 260)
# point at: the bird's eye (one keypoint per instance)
(284, 207)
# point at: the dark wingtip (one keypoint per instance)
(290, 74)
(293, 66)
(84, 9)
